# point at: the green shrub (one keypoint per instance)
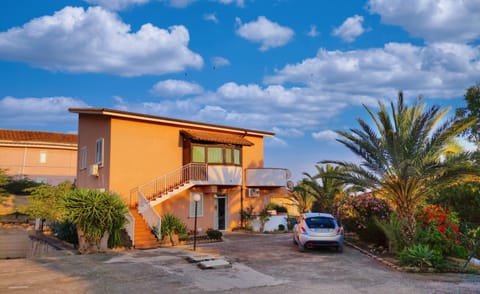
(393, 231)
(214, 234)
(247, 216)
(277, 207)
(421, 256)
(124, 240)
(94, 213)
(65, 231)
(172, 225)
(291, 222)
(21, 187)
(183, 237)
(359, 214)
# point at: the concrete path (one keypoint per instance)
(259, 264)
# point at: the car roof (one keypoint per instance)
(316, 214)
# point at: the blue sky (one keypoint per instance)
(301, 69)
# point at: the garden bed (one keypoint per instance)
(381, 255)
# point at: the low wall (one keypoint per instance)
(24, 243)
(272, 224)
(14, 243)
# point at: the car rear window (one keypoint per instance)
(320, 222)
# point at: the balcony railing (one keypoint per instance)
(192, 172)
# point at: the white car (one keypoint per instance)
(318, 230)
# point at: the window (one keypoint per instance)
(215, 155)
(236, 157)
(320, 222)
(99, 152)
(198, 154)
(43, 156)
(199, 205)
(83, 158)
(228, 156)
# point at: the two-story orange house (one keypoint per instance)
(158, 164)
(39, 156)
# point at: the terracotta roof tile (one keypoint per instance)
(216, 137)
(35, 136)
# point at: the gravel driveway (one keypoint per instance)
(260, 264)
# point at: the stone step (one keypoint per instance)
(214, 264)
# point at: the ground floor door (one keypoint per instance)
(220, 212)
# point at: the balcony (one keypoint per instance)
(223, 175)
(266, 177)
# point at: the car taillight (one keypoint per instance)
(339, 231)
(303, 230)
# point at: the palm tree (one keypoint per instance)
(327, 189)
(407, 157)
(302, 197)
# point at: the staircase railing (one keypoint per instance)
(162, 185)
(148, 213)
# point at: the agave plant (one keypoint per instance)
(95, 213)
(406, 156)
(172, 225)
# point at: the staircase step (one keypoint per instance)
(144, 239)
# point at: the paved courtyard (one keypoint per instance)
(259, 264)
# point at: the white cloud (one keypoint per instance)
(275, 142)
(38, 112)
(179, 3)
(288, 132)
(433, 20)
(175, 88)
(326, 135)
(219, 61)
(441, 70)
(313, 31)
(239, 3)
(210, 17)
(269, 34)
(96, 40)
(350, 29)
(116, 4)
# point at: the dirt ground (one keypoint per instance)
(261, 263)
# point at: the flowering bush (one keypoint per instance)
(359, 213)
(439, 229)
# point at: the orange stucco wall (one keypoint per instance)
(253, 155)
(90, 129)
(142, 151)
(24, 161)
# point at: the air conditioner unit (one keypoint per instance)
(253, 192)
(93, 170)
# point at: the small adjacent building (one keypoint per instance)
(160, 165)
(39, 156)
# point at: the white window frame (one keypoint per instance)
(83, 157)
(43, 156)
(199, 207)
(99, 151)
